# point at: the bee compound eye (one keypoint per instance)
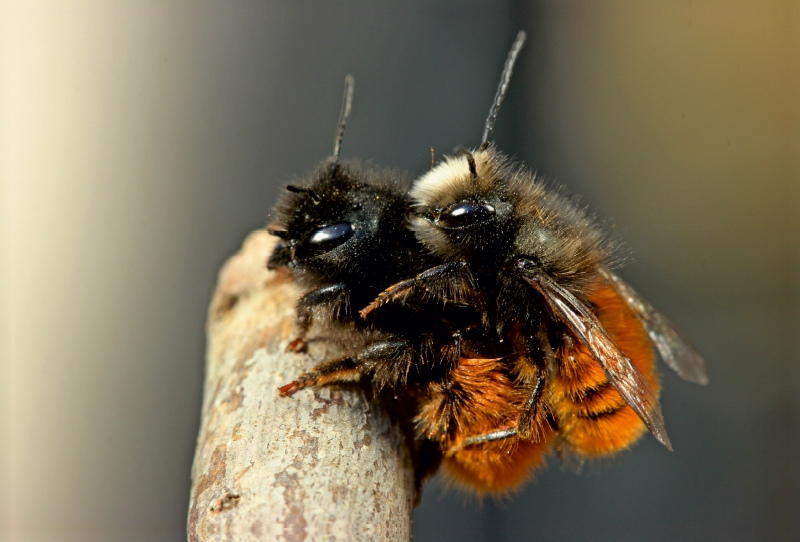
(329, 237)
(466, 214)
(333, 234)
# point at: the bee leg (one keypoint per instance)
(352, 369)
(298, 345)
(532, 369)
(334, 299)
(525, 423)
(530, 412)
(450, 282)
(336, 371)
(499, 434)
(303, 321)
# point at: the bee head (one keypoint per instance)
(482, 207)
(462, 207)
(332, 227)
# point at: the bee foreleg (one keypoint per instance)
(449, 282)
(333, 300)
(392, 357)
(335, 371)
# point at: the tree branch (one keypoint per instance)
(324, 464)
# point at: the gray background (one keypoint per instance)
(143, 140)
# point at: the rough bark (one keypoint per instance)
(323, 465)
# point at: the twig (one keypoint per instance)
(324, 464)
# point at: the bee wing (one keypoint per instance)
(621, 372)
(674, 348)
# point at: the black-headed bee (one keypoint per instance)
(578, 363)
(344, 236)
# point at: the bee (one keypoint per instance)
(343, 236)
(577, 365)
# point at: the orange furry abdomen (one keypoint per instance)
(481, 398)
(592, 417)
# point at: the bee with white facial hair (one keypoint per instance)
(580, 340)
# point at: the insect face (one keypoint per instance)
(460, 209)
(502, 216)
(341, 225)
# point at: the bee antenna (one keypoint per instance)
(505, 78)
(473, 170)
(349, 84)
(299, 190)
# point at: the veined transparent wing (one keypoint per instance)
(621, 372)
(674, 348)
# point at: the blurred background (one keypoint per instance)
(142, 140)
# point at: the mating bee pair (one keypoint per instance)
(484, 302)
